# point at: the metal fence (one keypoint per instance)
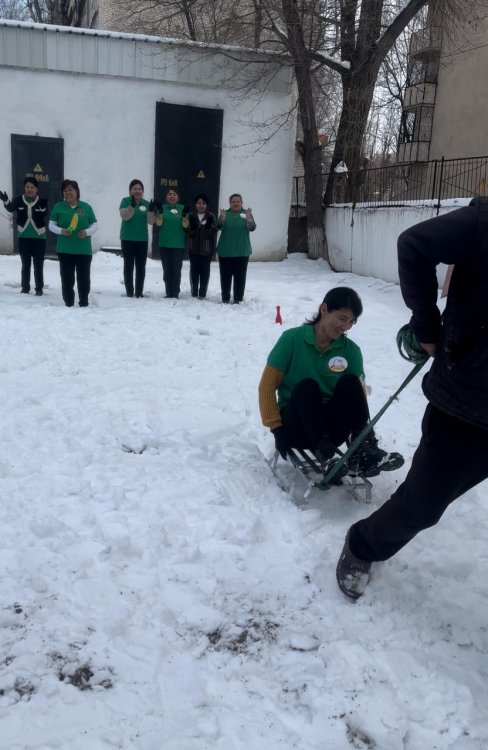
(401, 183)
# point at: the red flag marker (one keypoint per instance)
(278, 316)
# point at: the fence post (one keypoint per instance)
(434, 180)
(440, 185)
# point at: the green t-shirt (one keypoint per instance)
(171, 233)
(135, 228)
(63, 215)
(297, 355)
(234, 239)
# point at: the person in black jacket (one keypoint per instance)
(452, 455)
(200, 243)
(31, 213)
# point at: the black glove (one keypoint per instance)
(409, 346)
(153, 205)
(133, 201)
(3, 197)
(186, 210)
(282, 441)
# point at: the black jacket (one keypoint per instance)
(457, 382)
(39, 211)
(200, 238)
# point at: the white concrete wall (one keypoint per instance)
(108, 126)
(364, 240)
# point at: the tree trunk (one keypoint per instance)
(356, 102)
(311, 150)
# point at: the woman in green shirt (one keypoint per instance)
(172, 222)
(136, 213)
(74, 222)
(318, 374)
(234, 248)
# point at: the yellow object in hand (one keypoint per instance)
(73, 223)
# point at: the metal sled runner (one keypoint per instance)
(309, 470)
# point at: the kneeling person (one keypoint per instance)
(319, 377)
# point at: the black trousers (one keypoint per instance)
(135, 254)
(172, 260)
(68, 265)
(233, 269)
(450, 460)
(32, 249)
(199, 275)
(307, 418)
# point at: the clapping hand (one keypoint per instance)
(248, 214)
(133, 201)
(3, 196)
(223, 214)
(153, 205)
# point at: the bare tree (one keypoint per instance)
(62, 12)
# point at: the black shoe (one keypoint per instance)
(24, 291)
(168, 296)
(138, 296)
(130, 295)
(38, 292)
(325, 449)
(369, 459)
(352, 574)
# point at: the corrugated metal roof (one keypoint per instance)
(93, 52)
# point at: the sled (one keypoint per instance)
(310, 472)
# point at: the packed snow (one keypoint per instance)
(160, 591)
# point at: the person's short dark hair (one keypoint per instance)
(32, 181)
(235, 195)
(135, 182)
(201, 197)
(343, 296)
(73, 184)
(175, 190)
(336, 299)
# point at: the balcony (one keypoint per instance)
(427, 41)
(421, 94)
(414, 151)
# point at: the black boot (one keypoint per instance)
(369, 459)
(352, 574)
(325, 449)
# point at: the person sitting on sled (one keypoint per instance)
(318, 374)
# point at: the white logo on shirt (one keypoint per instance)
(338, 364)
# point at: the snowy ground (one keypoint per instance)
(159, 591)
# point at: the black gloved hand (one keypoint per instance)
(153, 205)
(133, 201)
(409, 346)
(282, 441)
(186, 210)
(3, 197)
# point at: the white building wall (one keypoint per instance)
(364, 240)
(106, 115)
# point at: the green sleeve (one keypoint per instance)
(54, 213)
(356, 366)
(91, 215)
(281, 354)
